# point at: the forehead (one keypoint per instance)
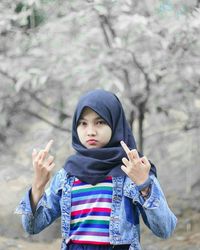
(88, 112)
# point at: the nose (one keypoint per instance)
(91, 131)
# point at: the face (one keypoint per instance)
(93, 131)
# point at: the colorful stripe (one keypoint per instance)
(90, 214)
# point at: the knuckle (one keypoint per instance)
(50, 161)
(40, 163)
(128, 171)
(35, 162)
(130, 153)
(41, 152)
(138, 163)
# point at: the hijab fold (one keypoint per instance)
(94, 164)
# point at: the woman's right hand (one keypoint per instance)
(43, 163)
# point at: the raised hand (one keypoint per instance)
(43, 163)
(137, 168)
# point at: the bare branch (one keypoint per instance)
(29, 112)
(126, 77)
(8, 76)
(43, 104)
(112, 31)
(191, 126)
(106, 26)
(141, 68)
(34, 96)
(102, 24)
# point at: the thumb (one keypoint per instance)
(34, 153)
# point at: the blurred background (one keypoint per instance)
(146, 52)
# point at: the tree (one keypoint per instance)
(134, 49)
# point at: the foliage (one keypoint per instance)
(147, 53)
(29, 15)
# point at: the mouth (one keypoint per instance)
(92, 142)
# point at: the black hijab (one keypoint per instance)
(93, 165)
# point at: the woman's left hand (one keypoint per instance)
(135, 167)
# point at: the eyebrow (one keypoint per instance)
(96, 118)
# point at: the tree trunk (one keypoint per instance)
(140, 128)
(131, 119)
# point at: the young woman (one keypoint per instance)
(102, 189)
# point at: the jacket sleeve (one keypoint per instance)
(48, 208)
(154, 210)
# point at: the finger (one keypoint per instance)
(125, 161)
(145, 161)
(45, 152)
(51, 166)
(134, 154)
(48, 146)
(50, 160)
(34, 154)
(124, 169)
(124, 146)
(40, 156)
(131, 156)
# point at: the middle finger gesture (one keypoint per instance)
(136, 167)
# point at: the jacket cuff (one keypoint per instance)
(24, 206)
(153, 201)
(144, 185)
(131, 190)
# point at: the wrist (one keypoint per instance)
(37, 190)
(145, 185)
(145, 188)
(36, 193)
(38, 186)
(35, 196)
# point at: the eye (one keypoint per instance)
(101, 122)
(82, 123)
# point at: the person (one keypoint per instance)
(102, 189)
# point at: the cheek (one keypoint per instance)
(107, 133)
(80, 132)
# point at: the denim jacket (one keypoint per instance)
(56, 202)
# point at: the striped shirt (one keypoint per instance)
(90, 214)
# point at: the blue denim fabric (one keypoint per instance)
(56, 202)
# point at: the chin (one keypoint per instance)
(92, 146)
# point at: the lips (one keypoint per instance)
(91, 141)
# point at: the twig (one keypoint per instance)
(34, 96)
(43, 104)
(45, 120)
